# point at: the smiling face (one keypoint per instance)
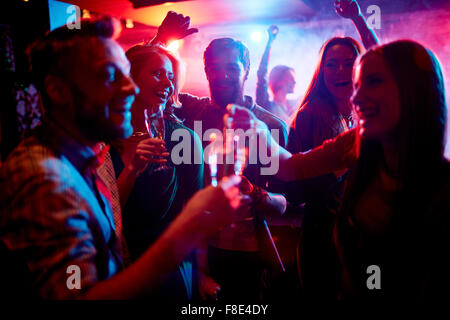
(226, 76)
(376, 99)
(102, 90)
(338, 65)
(155, 79)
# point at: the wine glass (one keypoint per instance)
(213, 158)
(225, 156)
(154, 122)
(235, 141)
(241, 154)
(225, 160)
(236, 149)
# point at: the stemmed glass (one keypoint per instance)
(227, 155)
(213, 154)
(235, 142)
(154, 122)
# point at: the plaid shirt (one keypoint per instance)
(51, 218)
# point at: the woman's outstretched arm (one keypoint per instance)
(333, 155)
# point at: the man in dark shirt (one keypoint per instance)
(234, 259)
(233, 254)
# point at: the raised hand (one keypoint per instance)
(348, 9)
(175, 26)
(272, 32)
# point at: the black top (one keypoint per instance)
(158, 196)
(318, 199)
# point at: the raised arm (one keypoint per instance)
(350, 9)
(175, 26)
(262, 94)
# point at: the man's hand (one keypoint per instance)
(245, 186)
(211, 208)
(208, 288)
(272, 32)
(175, 26)
(245, 118)
(348, 9)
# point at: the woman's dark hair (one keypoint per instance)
(139, 55)
(317, 87)
(420, 82)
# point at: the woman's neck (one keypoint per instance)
(391, 157)
(280, 98)
(343, 106)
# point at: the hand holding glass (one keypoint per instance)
(154, 122)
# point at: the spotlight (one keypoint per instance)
(129, 24)
(256, 36)
(86, 14)
(174, 46)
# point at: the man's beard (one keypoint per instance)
(92, 120)
(222, 98)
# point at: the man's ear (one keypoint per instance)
(57, 90)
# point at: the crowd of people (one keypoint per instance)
(90, 193)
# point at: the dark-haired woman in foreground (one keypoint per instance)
(396, 210)
(325, 112)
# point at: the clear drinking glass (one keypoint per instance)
(227, 155)
(154, 122)
(213, 154)
(234, 135)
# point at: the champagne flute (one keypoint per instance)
(241, 156)
(225, 157)
(154, 122)
(225, 161)
(237, 149)
(235, 141)
(213, 155)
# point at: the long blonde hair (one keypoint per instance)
(139, 54)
